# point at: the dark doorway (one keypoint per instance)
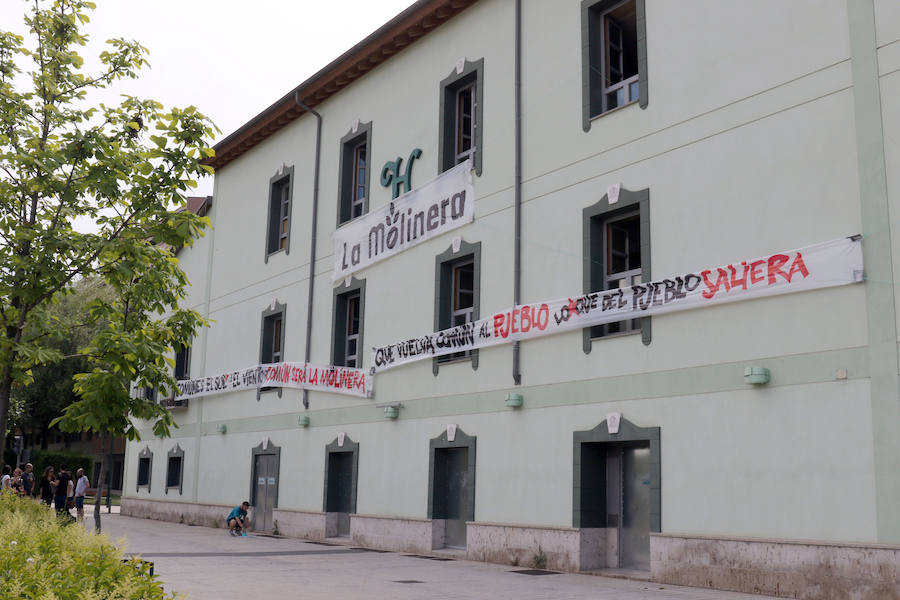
(617, 490)
(452, 485)
(340, 489)
(341, 468)
(615, 483)
(450, 493)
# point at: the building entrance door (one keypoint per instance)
(634, 505)
(451, 493)
(265, 490)
(615, 495)
(339, 497)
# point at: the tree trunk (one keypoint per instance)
(99, 491)
(5, 392)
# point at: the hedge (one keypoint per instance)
(54, 458)
(43, 557)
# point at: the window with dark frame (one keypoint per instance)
(351, 341)
(278, 233)
(183, 363)
(461, 128)
(144, 471)
(173, 472)
(614, 56)
(149, 394)
(462, 299)
(347, 331)
(353, 188)
(272, 338)
(349, 314)
(465, 123)
(456, 295)
(616, 247)
(620, 263)
(143, 477)
(359, 181)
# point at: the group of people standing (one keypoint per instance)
(62, 490)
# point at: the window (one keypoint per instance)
(349, 304)
(461, 113)
(174, 469)
(272, 343)
(278, 234)
(617, 255)
(149, 394)
(353, 187)
(145, 465)
(614, 58)
(457, 277)
(182, 362)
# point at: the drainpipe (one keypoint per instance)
(517, 251)
(312, 251)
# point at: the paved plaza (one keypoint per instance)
(206, 563)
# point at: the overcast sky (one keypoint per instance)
(231, 59)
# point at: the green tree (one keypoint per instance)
(127, 167)
(36, 405)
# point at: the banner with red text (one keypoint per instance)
(301, 376)
(828, 264)
(439, 206)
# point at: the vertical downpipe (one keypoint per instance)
(315, 221)
(517, 252)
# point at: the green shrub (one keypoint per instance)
(41, 557)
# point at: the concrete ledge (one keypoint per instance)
(310, 525)
(563, 548)
(399, 534)
(795, 569)
(207, 515)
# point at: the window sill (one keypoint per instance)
(613, 110)
(280, 250)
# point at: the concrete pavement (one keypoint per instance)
(206, 563)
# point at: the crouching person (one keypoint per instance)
(238, 521)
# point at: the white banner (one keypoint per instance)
(827, 264)
(301, 376)
(441, 205)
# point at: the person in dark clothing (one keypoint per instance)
(64, 489)
(47, 488)
(28, 478)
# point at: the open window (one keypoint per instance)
(617, 255)
(461, 114)
(614, 59)
(355, 169)
(347, 324)
(457, 294)
(278, 230)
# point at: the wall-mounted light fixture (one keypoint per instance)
(514, 400)
(221, 428)
(391, 409)
(303, 421)
(756, 375)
